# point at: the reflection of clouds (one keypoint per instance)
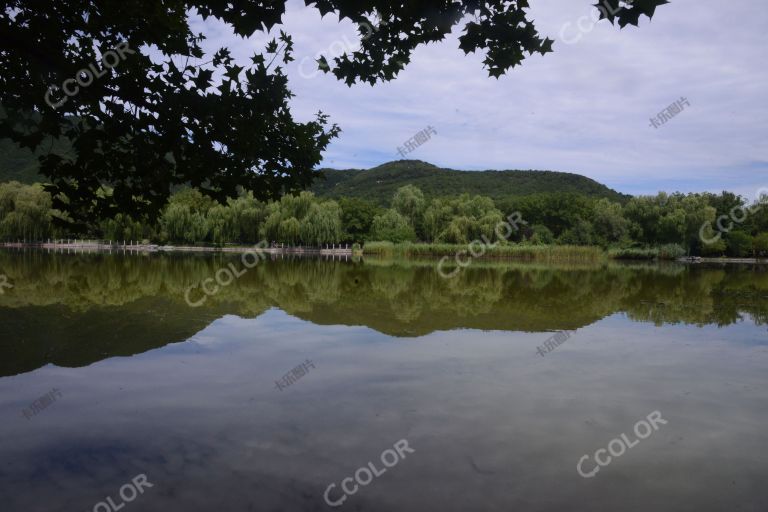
(271, 447)
(204, 340)
(76, 475)
(484, 413)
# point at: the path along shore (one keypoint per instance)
(99, 245)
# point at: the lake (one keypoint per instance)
(308, 385)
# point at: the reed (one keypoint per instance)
(665, 252)
(634, 253)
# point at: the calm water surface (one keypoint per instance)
(146, 384)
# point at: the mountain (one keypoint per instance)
(380, 183)
(17, 164)
(20, 164)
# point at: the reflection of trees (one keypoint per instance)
(494, 297)
(700, 296)
(94, 295)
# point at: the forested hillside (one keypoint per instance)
(20, 164)
(380, 183)
(17, 164)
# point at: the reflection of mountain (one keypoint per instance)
(34, 336)
(72, 310)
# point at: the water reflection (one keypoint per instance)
(73, 310)
(494, 426)
(398, 353)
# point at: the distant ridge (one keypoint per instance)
(20, 164)
(380, 183)
(17, 164)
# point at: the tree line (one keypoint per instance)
(700, 223)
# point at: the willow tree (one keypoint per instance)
(249, 214)
(181, 224)
(123, 227)
(409, 202)
(436, 219)
(221, 224)
(461, 219)
(289, 231)
(25, 212)
(322, 225)
(296, 206)
(393, 227)
(459, 230)
(270, 230)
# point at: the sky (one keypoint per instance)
(586, 108)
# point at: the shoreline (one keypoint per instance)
(702, 259)
(346, 250)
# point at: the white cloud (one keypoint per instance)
(585, 108)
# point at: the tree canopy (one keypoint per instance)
(167, 113)
(687, 221)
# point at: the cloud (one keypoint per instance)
(585, 108)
